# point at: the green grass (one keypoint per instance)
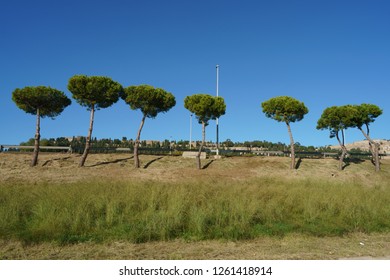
(152, 211)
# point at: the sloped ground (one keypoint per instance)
(15, 168)
(64, 167)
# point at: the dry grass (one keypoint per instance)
(63, 168)
(58, 168)
(298, 247)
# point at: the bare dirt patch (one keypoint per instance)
(357, 246)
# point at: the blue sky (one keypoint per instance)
(323, 53)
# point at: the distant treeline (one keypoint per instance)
(108, 143)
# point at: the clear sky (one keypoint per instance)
(322, 52)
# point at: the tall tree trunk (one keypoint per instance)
(371, 148)
(292, 165)
(374, 149)
(201, 145)
(137, 141)
(34, 160)
(344, 150)
(88, 140)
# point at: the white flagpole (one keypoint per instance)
(217, 118)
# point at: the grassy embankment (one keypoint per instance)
(143, 210)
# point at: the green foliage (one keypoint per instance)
(284, 109)
(365, 114)
(337, 118)
(50, 102)
(205, 107)
(30, 142)
(94, 91)
(60, 141)
(228, 143)
(148, 99)
(262, 144)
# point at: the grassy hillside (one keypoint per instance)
(231, 199)
(62, 168)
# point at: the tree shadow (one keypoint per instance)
(150, 162)
(51, 160)
(298, 164)
(349, 161)
(207, 164)
(110, 162)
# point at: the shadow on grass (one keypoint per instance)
(150, 162)
(298, 164)
(207, 164)
(51, 160)
(110, 162)
(349, 161)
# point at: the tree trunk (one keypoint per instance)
(292, 165)
(344, 150)
(88, 140)
(34, 160)
(374, 149)
(137, 141)
(201, 145)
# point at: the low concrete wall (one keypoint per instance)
(194, 154)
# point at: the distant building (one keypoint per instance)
(70, 139)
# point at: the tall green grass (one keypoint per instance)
(146, 211)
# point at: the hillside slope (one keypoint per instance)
(364, 146)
